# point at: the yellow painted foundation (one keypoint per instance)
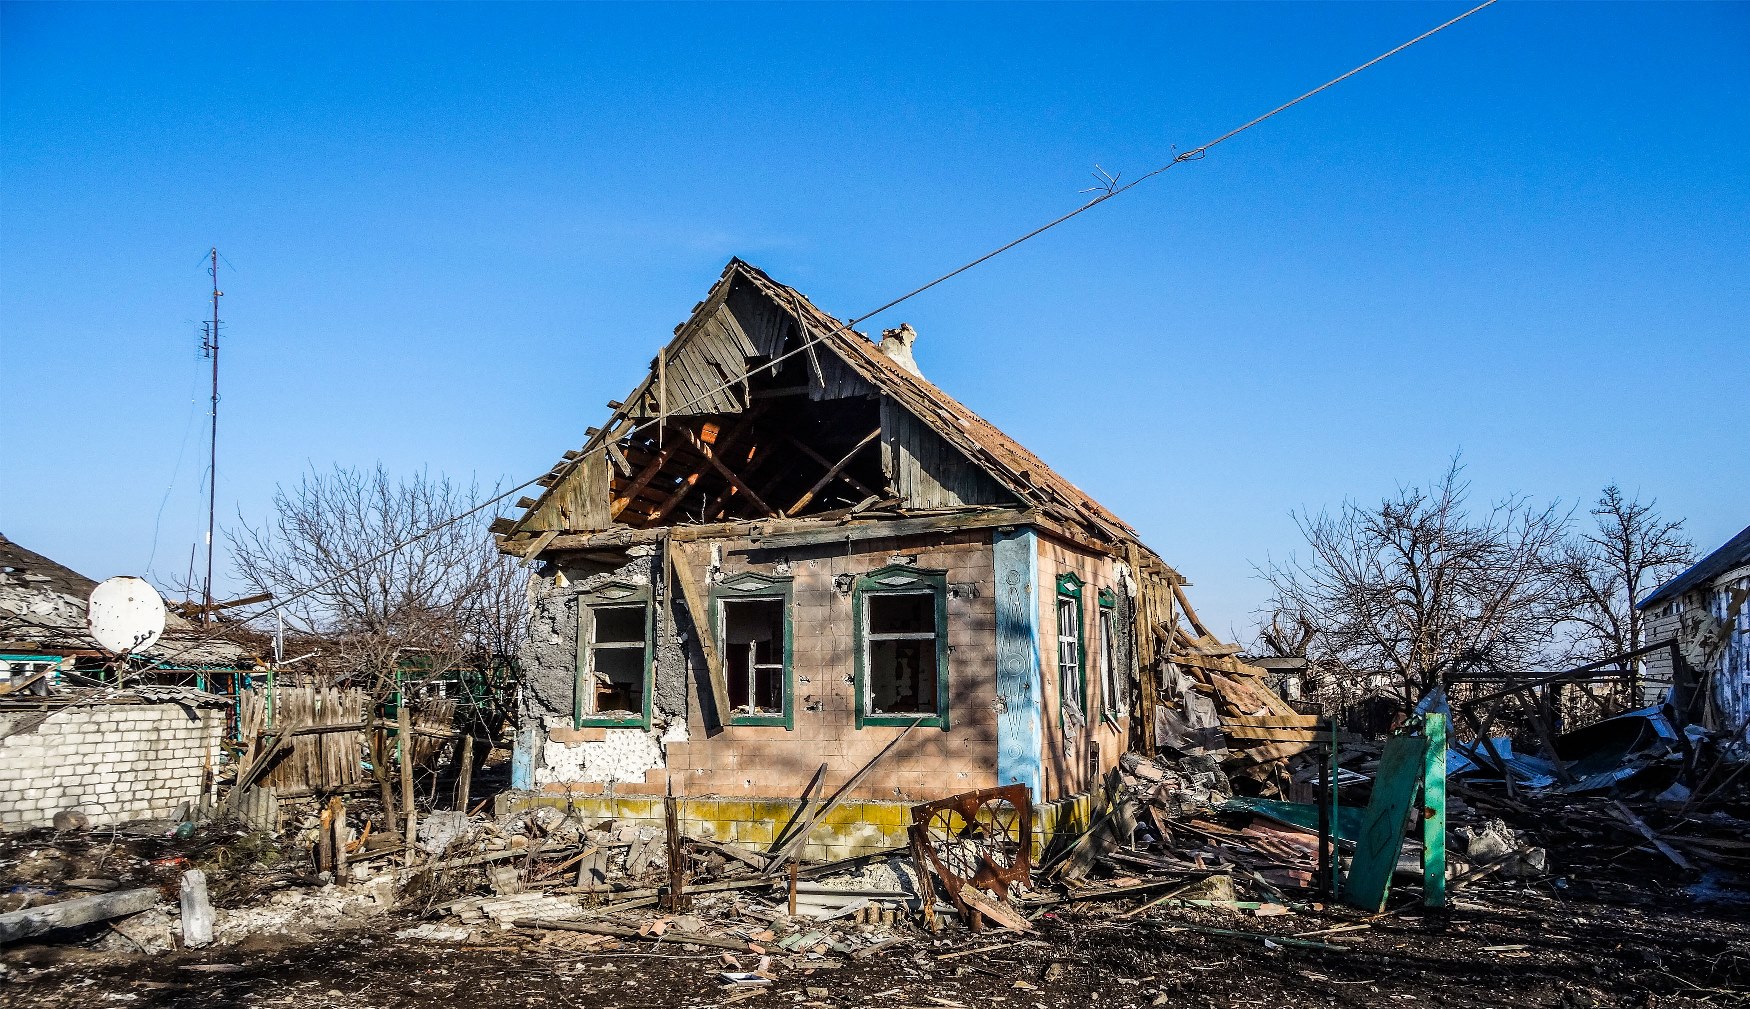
(856, 827)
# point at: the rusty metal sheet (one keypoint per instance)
(981, 839)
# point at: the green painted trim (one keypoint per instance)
(615, 594)
(1434, 811)
(757, 586)
(897, 578)
(1070, 587)
(1304, 815)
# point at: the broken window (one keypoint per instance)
(614, 658)
(753, 643)
(902, 647)
(1072, 680)
(752, 629)
(1111, 677)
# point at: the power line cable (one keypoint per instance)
(1194, 154)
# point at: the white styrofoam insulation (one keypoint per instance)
(625, 755)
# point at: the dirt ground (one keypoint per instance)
(1501, 947)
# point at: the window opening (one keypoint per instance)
(901, 637)
(1069, 650)
(618, 649)
(753, 644)
(1111, 689)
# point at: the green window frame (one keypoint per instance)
(1113, 702)
(592, 652)
(756, 588)
(866, 596)
(1072, 649)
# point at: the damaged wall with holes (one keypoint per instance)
(825, 650)
(618, 733)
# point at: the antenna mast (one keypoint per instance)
(210, 346)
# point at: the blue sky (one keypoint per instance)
(457, 231)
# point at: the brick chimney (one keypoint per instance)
(896, 344)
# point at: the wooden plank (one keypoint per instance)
(540, 543)
(1268, 752)
(1190, 614)
(823, 461)
(727, 473)
(1627, 815)
(805, 531)
(724, 442)
(817, 534)
(928, 471)
(1273, 734)
(621, 932)
(798, 839)
(404, 751)
(1395, 785)
(1221, 664)
(1274, 721)
(15, 925)
(642, 480)
(833, 471)
(697, 605)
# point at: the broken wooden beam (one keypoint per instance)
(831, 473)
(621, 932)
(16, 925)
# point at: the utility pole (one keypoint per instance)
(210, 346)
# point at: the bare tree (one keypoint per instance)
(1610, 568)
(377, 568)
(1399, 590)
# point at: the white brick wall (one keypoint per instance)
(112, 762)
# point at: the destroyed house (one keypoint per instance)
(786, 549)
(1705, 612)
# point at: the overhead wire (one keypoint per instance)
(804, 345)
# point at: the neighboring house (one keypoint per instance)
(43, 629)
(73, 738)
(1704, 609)
(787, 546)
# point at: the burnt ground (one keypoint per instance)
(1506, 946)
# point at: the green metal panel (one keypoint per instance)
(1395, 786)
(1434, 812)
(1304, 815)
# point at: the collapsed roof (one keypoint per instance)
(44, 604)
(756, 396)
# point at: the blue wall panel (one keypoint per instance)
(1019, 687)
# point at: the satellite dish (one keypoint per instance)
(126, 614)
